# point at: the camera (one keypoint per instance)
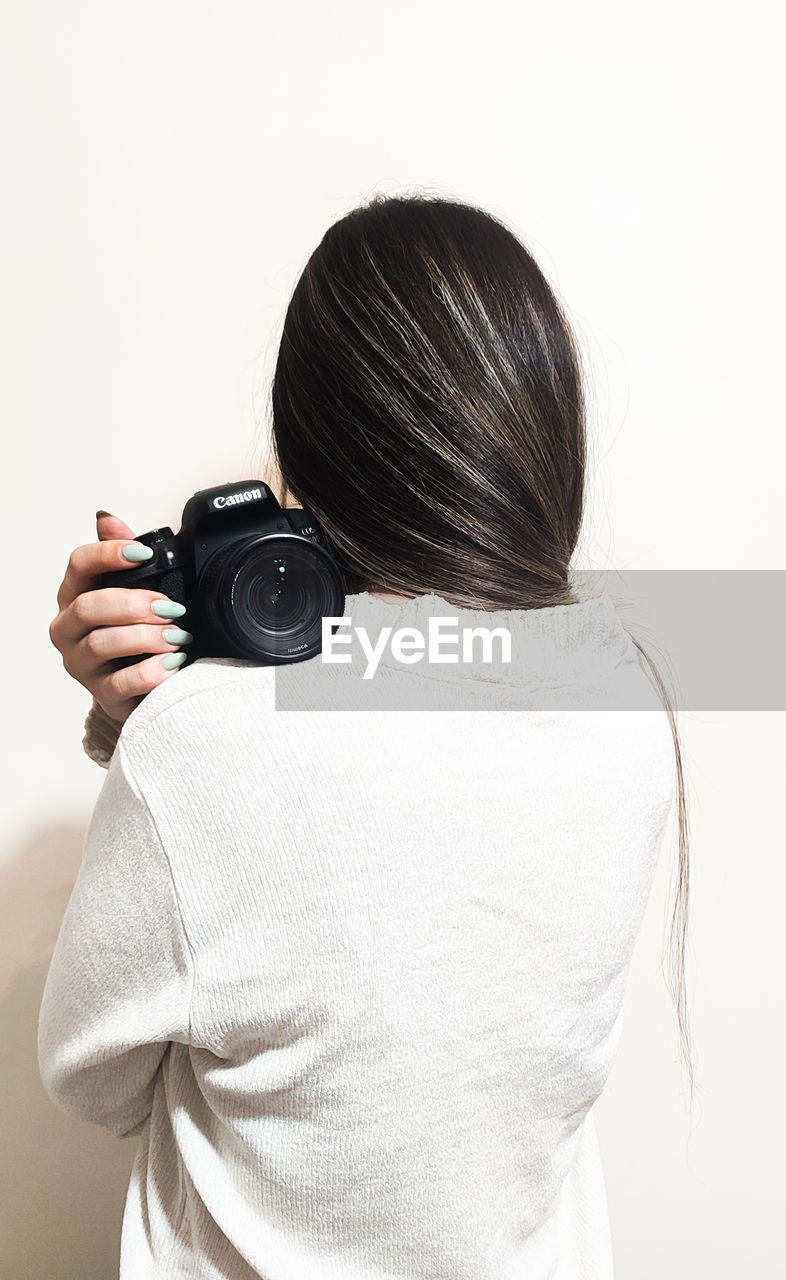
(256, 579)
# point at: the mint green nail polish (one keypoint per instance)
(173, 660)
(137, 551)
(174, 635)
(168, 608)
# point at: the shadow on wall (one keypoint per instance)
(63, 1183)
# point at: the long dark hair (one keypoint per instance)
(428, 407)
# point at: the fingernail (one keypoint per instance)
(137, 551)
(170, 660)
(174, 635)
(102, 513)
(168, 608)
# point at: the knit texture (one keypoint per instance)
(356, 978)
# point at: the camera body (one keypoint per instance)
(256, 579)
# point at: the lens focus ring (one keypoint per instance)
(267, 595)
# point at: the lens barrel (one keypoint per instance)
(267, 594)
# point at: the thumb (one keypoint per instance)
(110, 526)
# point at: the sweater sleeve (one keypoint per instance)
(120, 980)
(101, 735)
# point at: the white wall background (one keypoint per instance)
(166, 170)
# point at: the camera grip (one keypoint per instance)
(146, 577)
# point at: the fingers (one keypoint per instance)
(119, 692)
(96, 625)
(87, 563)
(110, 526)
(106, 607)
(103, 644)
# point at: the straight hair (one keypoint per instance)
(428, 407)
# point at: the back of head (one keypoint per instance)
(428, 407)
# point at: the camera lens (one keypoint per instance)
(268, 594)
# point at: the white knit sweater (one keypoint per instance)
(355, 978)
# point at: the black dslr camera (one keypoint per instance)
(256, 579)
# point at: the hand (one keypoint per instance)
(94, 625)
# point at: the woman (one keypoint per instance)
(356, 979)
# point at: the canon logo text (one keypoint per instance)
(233, 499)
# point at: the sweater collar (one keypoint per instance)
(551, 643)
